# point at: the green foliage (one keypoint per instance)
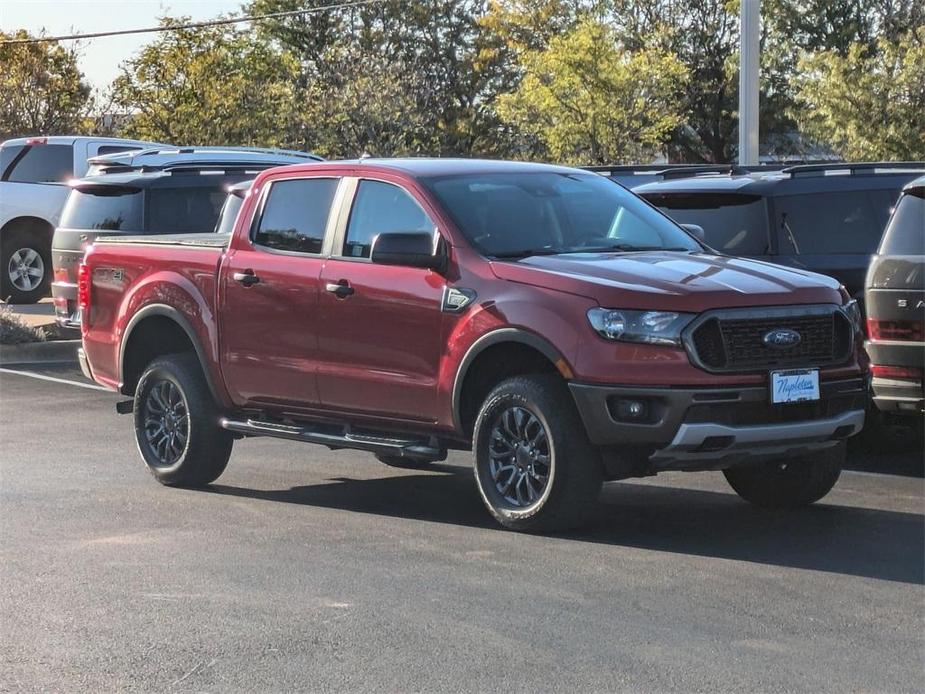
(591, 101)
(215, 85)
(42, 91)
(870, 102)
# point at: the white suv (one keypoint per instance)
(33, 188)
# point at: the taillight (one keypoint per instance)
(904, 330)
(83, 288)
(37, 141)
(900, 372)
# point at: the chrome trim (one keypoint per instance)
(757, 440)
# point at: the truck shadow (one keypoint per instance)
(871, 543)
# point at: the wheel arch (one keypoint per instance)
(153, 331)
(498, 354)
(28, 223)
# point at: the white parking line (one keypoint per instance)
(43, 377)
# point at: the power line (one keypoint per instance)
(196, 25)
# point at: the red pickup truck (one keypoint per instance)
(544, 317)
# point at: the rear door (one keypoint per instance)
(269, 291)
(379, 335)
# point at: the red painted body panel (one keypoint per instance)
(388, 354)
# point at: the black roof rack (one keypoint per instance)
(853, 168)
(667, 171)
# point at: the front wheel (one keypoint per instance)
(788, 483)
(176, 423)
(534, 466)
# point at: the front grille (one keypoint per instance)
(734, 340)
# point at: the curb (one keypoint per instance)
(56, 351)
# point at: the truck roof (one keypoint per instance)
(426, 167)
(69, 140)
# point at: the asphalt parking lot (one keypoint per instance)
(315, 570)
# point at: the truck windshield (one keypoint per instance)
(733, 223)
(511, 215)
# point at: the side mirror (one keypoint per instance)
(696, 231)
(411, 249)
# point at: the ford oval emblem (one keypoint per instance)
(782, 338)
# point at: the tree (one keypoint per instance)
(42, 91)
(449, 76)
(214, 85)
(869, 103)
(591, 101)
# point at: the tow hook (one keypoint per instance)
(125, 406)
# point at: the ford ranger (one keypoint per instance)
(544, 317)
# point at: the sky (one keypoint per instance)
(100, 57)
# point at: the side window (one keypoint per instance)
(40, 164)
(184, 210)
(836, 223)
(113, 149)
(381, 208)
(295, 215)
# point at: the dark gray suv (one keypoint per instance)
(827, 218)
(896, 307)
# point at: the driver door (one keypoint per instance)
(380, 326)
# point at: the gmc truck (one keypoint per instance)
(563, 329)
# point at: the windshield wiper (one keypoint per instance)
(622, 248)
(526, 253)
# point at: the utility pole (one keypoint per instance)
(749, 19)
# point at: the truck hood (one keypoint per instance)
(671, 281)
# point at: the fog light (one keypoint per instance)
(631, 409)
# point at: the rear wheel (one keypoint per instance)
(534, 466)
(788, 483)
(25, 259)
(176, 423)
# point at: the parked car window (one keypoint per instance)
(734, 223)
(905, 234)
(229, 214)
(184, 210)
(836, 223)
(518, 214)
(382, 208)
(38, 163)
(109, 208)
(295, 214)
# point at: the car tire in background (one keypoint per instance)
(176, 423)
(791, 483)
(534, 466)
(25, 264)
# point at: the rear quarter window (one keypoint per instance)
(187, 210)
(110, 209)
(905, 234)
(37, 163)
(734, 223)
(849, 222)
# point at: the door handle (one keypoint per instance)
(340, 289)
(247, 278)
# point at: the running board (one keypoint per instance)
(420, 449)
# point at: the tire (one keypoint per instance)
(195, 450)
(553, 478)
(404, 463)
(788, 484)
(25, 267)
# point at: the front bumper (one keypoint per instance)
(712, 428)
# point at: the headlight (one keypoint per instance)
(650, 327)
